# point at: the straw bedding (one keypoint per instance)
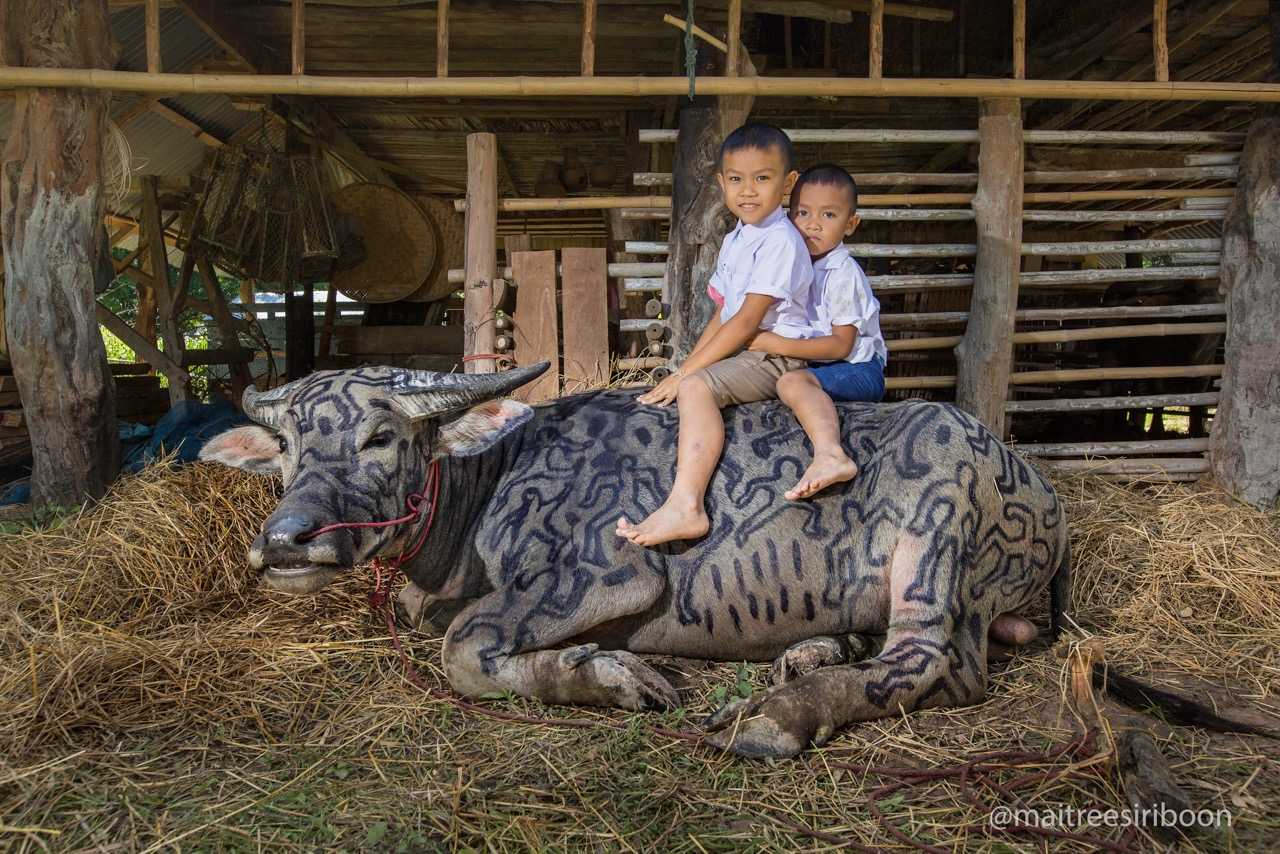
(151, 695)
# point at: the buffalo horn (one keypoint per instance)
(427, 394)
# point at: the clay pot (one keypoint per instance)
(573, 174)
(548, 184)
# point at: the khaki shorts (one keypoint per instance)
(749, 376)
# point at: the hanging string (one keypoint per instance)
(690, 48)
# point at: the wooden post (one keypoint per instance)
(442, 38)
(1160, 39)
(876, 50)
(1245, 440)
(984, 356)
(734, 38)
(152, 24)
(588, 38)
(51, 209)
(1020, 39)
(158, 266)
(228, 329)
(481, 250)
(299, 41)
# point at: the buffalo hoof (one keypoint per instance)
(777, 724)
(624, 678)
(808, 655)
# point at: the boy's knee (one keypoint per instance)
(692, 386)
(795, 382)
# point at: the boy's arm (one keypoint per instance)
(713, 326)
(719, 341)
(827, 348)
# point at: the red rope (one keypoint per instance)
(495, 357)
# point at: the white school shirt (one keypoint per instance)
(771, 259)
(842, 296)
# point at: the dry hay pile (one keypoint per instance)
(151, 695)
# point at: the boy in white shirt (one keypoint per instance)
(761, 284)
(848, 358)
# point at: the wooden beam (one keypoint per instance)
(158, 267)
(195, 129)
(145, 350)
(786, 40)
(442, 38)
(734, 38)
(216, 19)
(298, 37)
(152, 25)
(876, 49)
(1160, 39)
(984, 357)
(1020, 39)
(481, 251)
(896, 10)
(315, 120)
(588, 38)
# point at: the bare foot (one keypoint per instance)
(669, 522)
(822, 472)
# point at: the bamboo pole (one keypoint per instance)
(876, 49)
(1020, 39)
(636, 86)
(1100, 449)
(1028, 215)
(1097, 404)
(1173, 465)
(642, 363)
(1066, 376)
(152, 25)
(442, 38)
(1160, 39)
(734, 39)
(950, 250)
(1090, 176)
(588, 38)
(298, 42)
(481, 250)
(699, 32)
(1062, 336)
(1039, 315)
(1040, 137)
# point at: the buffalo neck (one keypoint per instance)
(467, 485)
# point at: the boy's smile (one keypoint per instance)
(754, 182)
(824, 216)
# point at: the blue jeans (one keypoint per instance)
(863, 381)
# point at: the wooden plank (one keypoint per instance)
(141, 346)
(13, 418)
(1160, 39)
(1020, 39)
(1097, 404)
(588, 38)
(217, 356)
(151, 23)
(584, 289)
(298, 37)
(178, 120)
(537, 332)
(1138, 466)
(875, 68)
(734, 38)
(380, 340)
(442, 38)
(1109, 449)
(482, 251)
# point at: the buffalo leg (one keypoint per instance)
(933, 656)
(808, 655)
(500, 643)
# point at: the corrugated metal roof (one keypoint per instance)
(160, 148)
(182, 42)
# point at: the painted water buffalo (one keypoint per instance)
(943, 531)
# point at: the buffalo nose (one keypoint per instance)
(289, 531)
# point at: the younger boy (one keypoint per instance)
(849, 358)
(761, 284)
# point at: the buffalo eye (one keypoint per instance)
(283, 443)
(381, 439)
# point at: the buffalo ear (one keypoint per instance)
(252, 448)
(481, 427)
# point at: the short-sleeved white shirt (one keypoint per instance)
(842, 296)
(770, 259)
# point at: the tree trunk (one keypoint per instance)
(1245, 442)
(51, 210)
(699, 219)
(984, 356)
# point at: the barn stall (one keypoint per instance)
(351, 218)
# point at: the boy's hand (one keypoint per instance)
(766, 342)
(664, 392)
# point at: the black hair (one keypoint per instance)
(827, 175)
(761, 137)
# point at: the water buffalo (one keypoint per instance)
(943, 531)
